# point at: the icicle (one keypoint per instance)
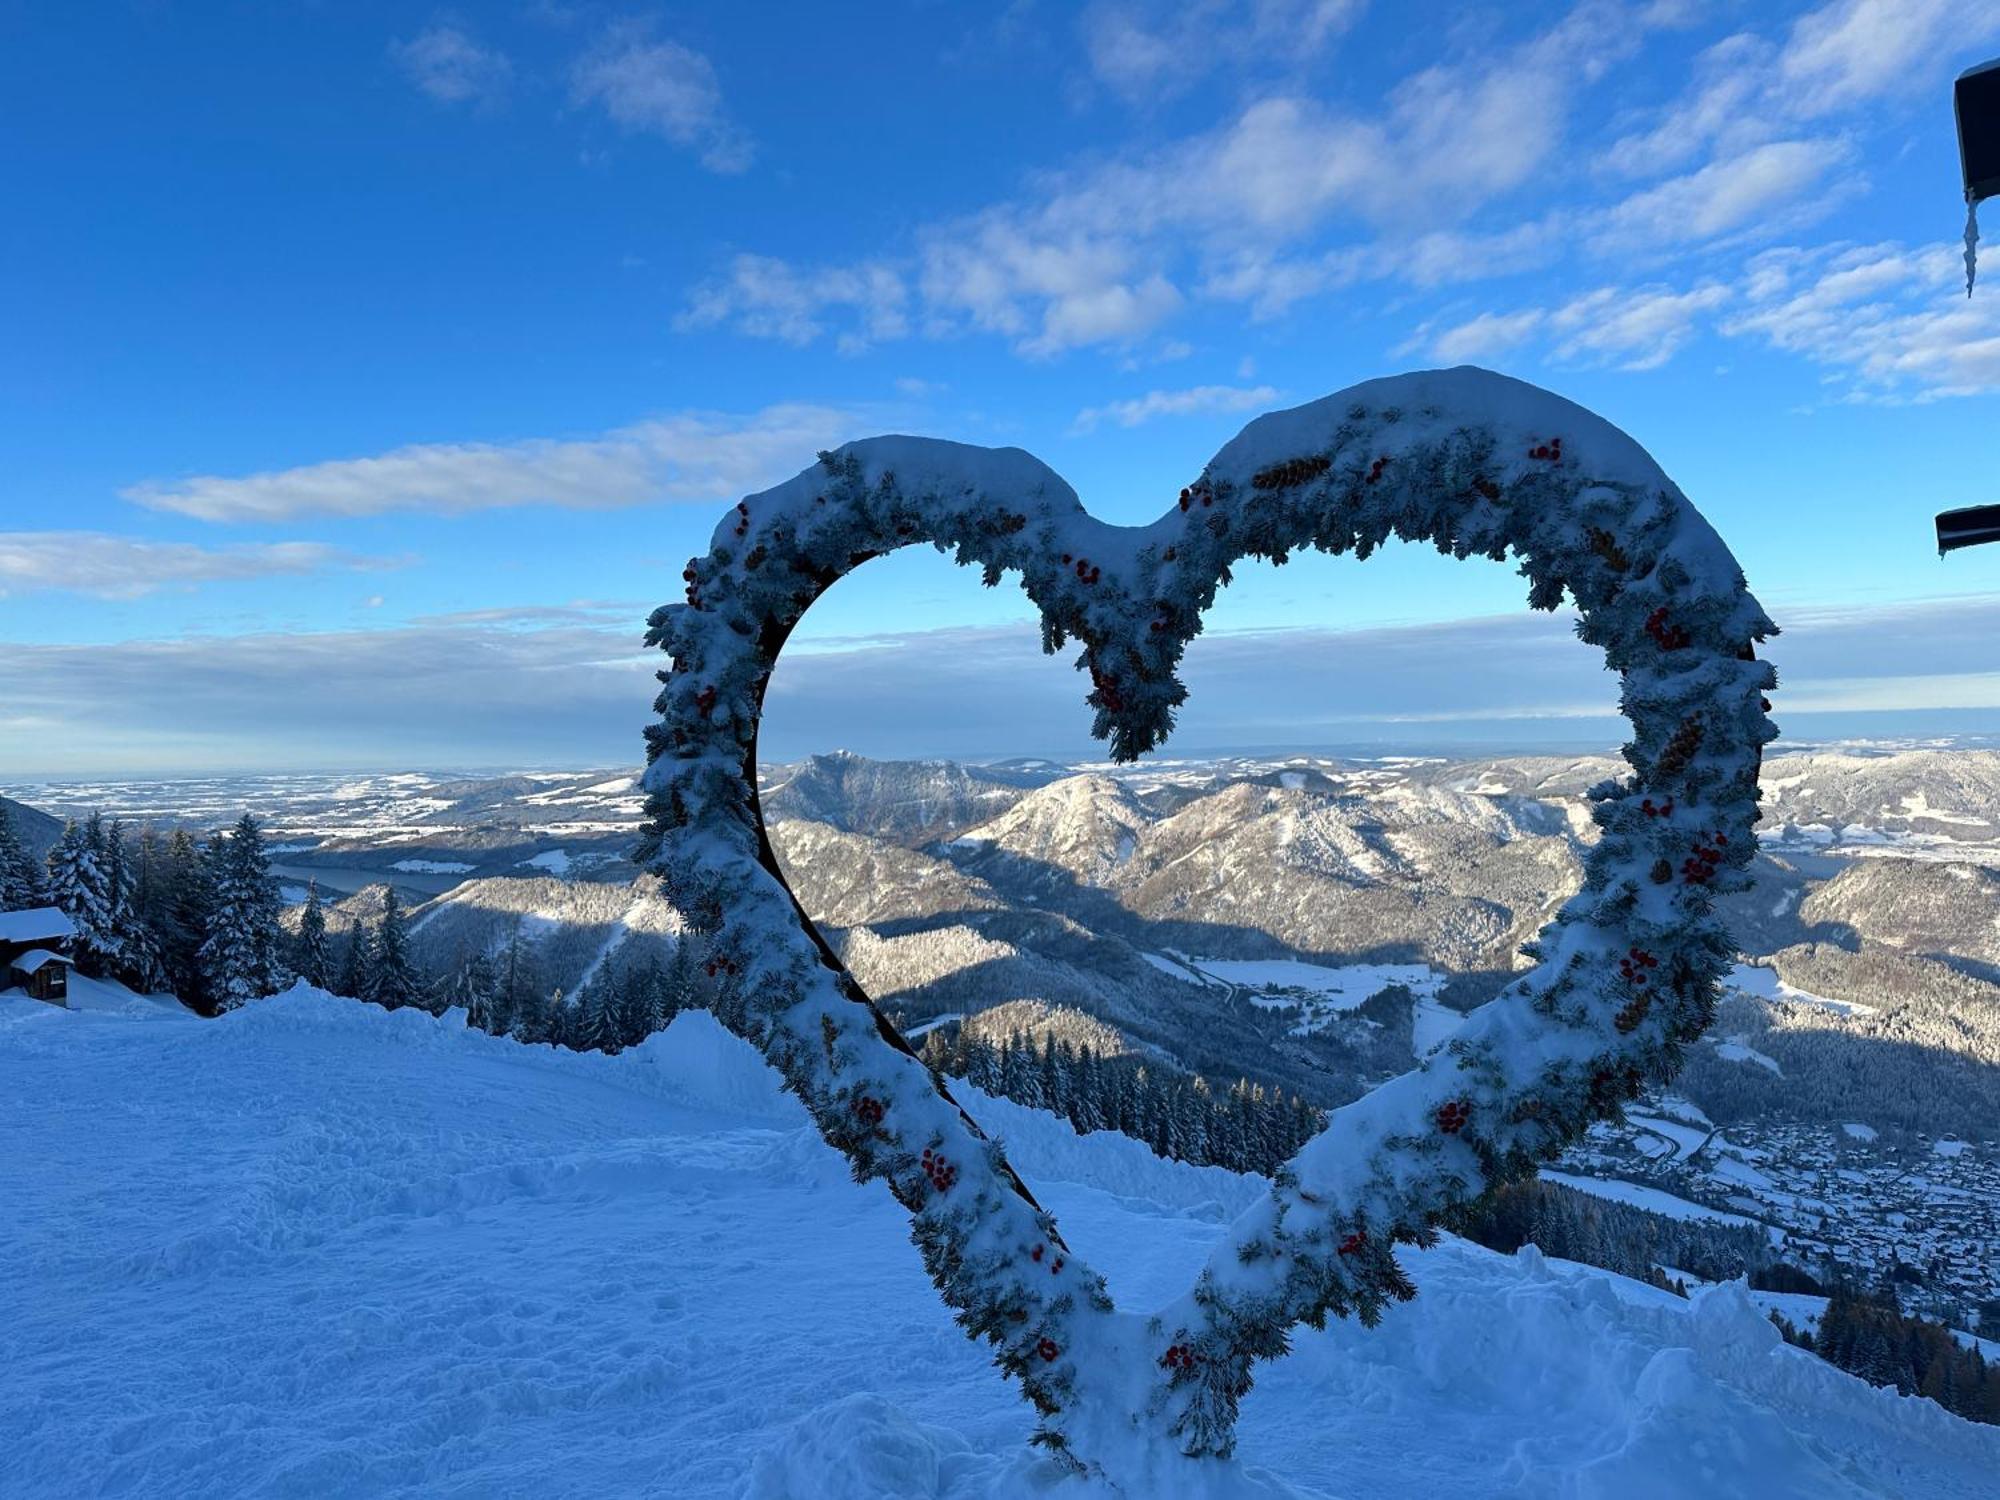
(1971, 241)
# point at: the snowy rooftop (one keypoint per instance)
(38, 924)
(36, 959)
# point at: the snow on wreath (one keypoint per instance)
(1479, 465)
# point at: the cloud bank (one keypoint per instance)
(689, 456)
(573, 685)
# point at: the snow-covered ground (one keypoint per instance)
(1652, 1199)
(1321, 991)
(1764, 983)
(318, 1249)
(1738, 1050)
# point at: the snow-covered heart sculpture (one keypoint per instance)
(1472, 461)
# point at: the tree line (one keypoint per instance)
(1571, 1225)
(1247, 1127)
(201, 919)
(1869, 1335)
(197, 918)
(1865, 1333)
(617, 1007)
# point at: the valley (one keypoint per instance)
(1310, 923)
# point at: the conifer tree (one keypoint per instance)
(533, 1014)
(240, 951)
(354, 962)
(682, 988)
(1088, 1114)
(520, 989)
(313, 957)
(135, 957)
(21, 886)
(593, 1021)
(391, 980)
(477, 990)
(639, 1006)
(183, 902)
(78, 885)
(1058, 1083)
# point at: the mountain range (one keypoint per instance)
(1315, 923)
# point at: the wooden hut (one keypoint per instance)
(35, 953)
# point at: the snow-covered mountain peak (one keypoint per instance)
(1087, 825)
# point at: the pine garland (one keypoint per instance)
(1472, 462)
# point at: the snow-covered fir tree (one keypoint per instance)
(182, 922)
(78, 883)
(534, 1014)
(391, 979)
(681, 990)
(21, 884)
(594, 1020)
(353, 963)
(519, 988)
(312, 953)
(643, 1002)
(136, 959)
(240, 950)
(472, 988)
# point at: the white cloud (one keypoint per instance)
(690, 456)
(1855, 51)
(1149, 51)
(1198, 399)
(768, 298)
(446, 63)
(1635, 328)
(575, 687)
(571, 684)
(127, 567)
(1486, 335)
(1891, 321)
(1271, 284)
(1846, 55)
(1763, 189)
(661, 88)
(1511, 678)
(1101, 254)
(1047, 286)
(1722, 105)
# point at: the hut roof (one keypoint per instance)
(40, 924)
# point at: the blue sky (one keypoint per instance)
(370, 370)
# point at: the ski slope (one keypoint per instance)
(313, 1248)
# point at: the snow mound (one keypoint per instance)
(862, 1446)
(316, 1248)
(697, 1062)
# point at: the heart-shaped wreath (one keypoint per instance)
(1473, 462)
